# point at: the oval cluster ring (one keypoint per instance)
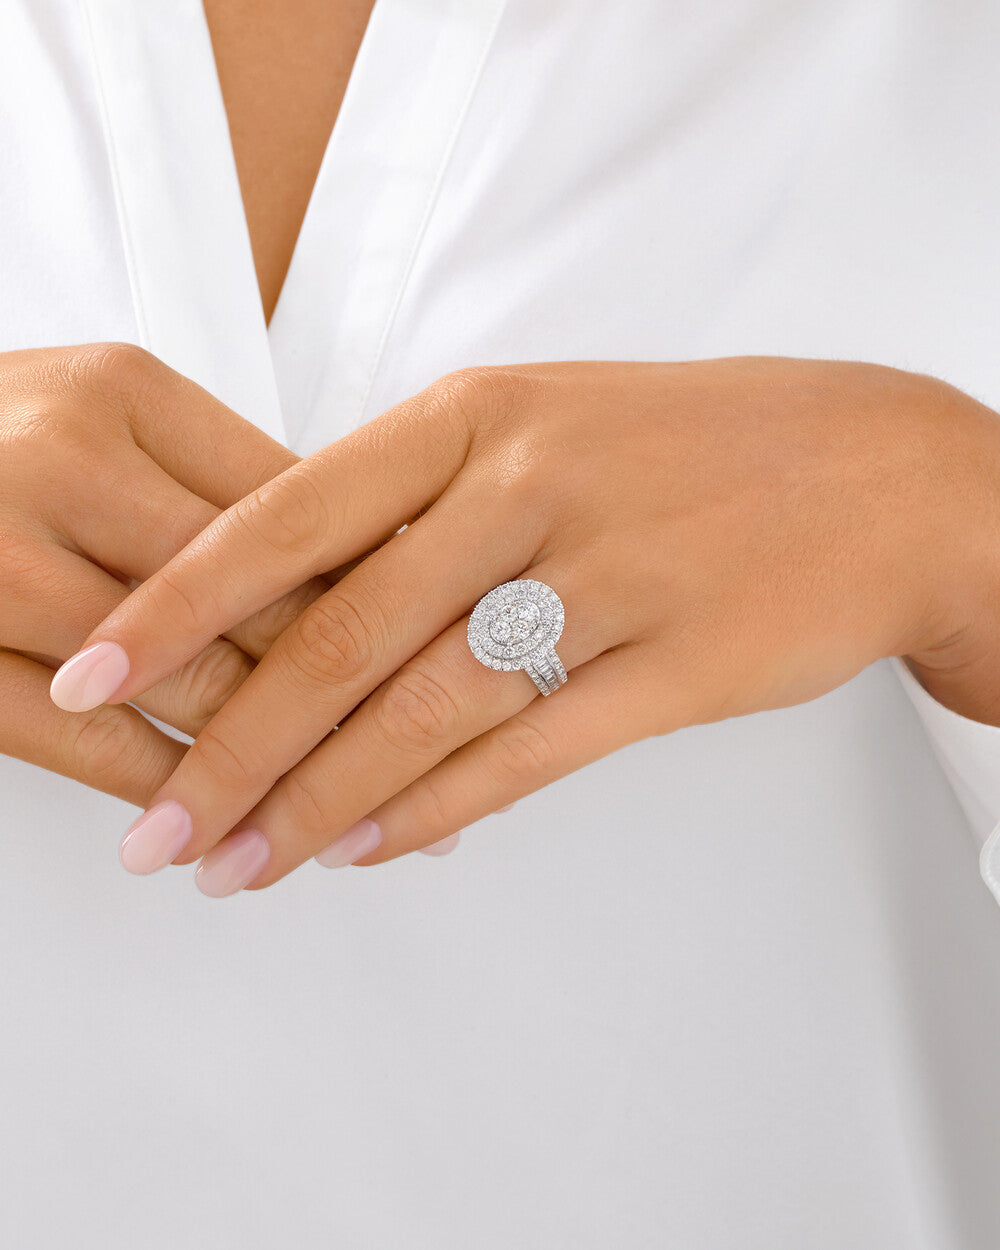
(517, 626)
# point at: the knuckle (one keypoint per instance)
(473, 393)
(469, 385)
(226, 766)
(23, 565)
(482, 385)
(118, 378)
(525, 462)
(522, 749)
(73, 448)
(417, 710)
(332, 641)
(112, 365)
(34, 428)
(176, 605)
(494, 390)
(428, 811)
(307, 812)
(266, 625)
(105, 744)
(212, 679)
(289, 514)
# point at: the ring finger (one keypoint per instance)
(438, 701)
(332, 658)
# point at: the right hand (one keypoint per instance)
(111, 463)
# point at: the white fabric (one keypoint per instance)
(739, 986)
(970, 756)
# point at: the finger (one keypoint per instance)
(440, 700)
(594, 714)
(129, 514)
(444, 847)
(112, 749)
(132, 517)
(51, 600)
(332, 658)
(317, 515)
(196, 438)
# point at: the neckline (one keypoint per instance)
(410, 89)
(183, 227)
(305, 379)
(252, 74)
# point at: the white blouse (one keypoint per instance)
(734, 987)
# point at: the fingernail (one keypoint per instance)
(232, 864)
(444, 847)
(359, 840)
(89, 678)
(503, 809)
(152, 841)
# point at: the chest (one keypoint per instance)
(502, 183)
(282, 69)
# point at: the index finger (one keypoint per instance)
(317, 515)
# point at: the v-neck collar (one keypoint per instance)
(183, 227)
(413, 80)
(307, 378)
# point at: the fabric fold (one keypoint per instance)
(969, 752)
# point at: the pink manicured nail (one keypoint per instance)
(153, 840)
(89, 678)
(232, 864)
(359, 840)
(444, 847)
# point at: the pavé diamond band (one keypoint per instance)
(517, 625)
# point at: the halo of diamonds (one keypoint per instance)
(516, 626)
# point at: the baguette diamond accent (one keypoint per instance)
(516, 626)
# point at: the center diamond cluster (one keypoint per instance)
(515, 622)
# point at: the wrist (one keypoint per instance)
(955, 651)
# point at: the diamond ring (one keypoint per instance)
(517, 625)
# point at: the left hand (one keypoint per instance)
(726, 536)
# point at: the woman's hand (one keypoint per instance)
(111, 463)
(726, 536)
